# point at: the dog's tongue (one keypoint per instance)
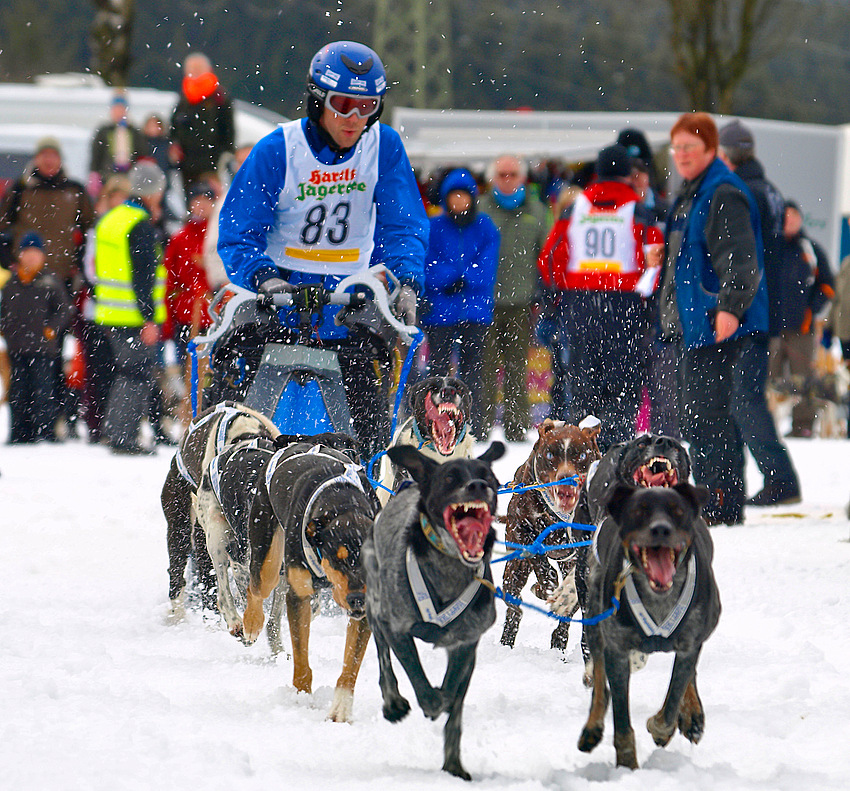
(470, 529)
(443, 432)
(661, 478)
(659, 565)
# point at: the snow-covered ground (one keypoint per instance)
(100, 691)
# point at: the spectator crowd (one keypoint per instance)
(686, 313)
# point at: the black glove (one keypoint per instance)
(455, 288)
(275, 285)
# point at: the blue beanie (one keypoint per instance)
(31, 239)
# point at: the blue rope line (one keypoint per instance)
(403, 375)
(192, 348)
(572, 479)
(507, 598)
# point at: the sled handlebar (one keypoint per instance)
(337, 296)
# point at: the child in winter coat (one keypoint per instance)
(34, 312)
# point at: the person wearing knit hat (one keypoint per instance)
(115, 145)
(129, 301)
(35, 313)
(594, 259)
(31, 239)
(613, 163)
(749, 405)
(202, 124)
(48, 142)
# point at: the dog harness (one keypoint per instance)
(230, 412)
(350, 476)
(674, 618)
(424, 601)
(215, 471)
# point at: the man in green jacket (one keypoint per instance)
(523, 222)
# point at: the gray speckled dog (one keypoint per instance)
(425, 562)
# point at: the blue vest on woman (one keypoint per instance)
(697, 284)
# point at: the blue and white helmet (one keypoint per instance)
(348, 68)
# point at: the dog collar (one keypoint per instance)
(425, 603)
(547, 498)
(675, 616)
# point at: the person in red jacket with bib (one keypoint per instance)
(595, 263)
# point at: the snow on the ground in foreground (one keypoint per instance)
(99, 691)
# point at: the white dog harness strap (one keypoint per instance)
(221, 436)
(215, 468)
(351, 477)
(668, 626)
(423, 599)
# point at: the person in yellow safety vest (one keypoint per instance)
(130, 301)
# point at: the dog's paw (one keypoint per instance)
(432, 704)
(342, 706)
(236, 629)
(396, 708)
(587, 678)
(624, 744)
(637, 660)
(564, 600)
(661, 733)
(692, 725)
(590, 737)
(454, 767)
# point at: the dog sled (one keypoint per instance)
(286, 374)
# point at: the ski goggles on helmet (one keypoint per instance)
(345, 104)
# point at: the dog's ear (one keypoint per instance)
(494, 452)
(548, 425)
(697, 496)
(282, 440)
(416, 392)
(417, 464)
(590, 427)
(618, 498)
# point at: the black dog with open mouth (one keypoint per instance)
(653, 552)
(428, 577)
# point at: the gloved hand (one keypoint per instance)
(275, 285)
(405, 305)
(455, 288)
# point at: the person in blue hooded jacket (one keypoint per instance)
(460, 278)
(324, 197)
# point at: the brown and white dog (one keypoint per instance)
(437, 426)
(561, 451)
(208, 435)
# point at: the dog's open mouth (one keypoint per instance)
(659, 565)
(469, 524)
(565, 497)
(446, 422)
(658, 471)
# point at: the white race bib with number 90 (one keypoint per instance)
(602, 240)
(325, 217)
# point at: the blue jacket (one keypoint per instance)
(697, 283)
(401, 227)
(460, 265)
